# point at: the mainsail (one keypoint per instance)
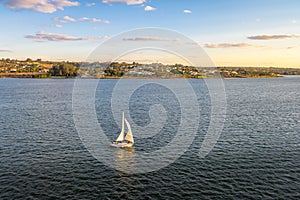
(129, 136)
(121, 136)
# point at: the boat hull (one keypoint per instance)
(121, 144)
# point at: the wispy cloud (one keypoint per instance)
(128, 2)
(45, 6)
(176, 41)
(149, 8)
(95, 20)
(58, 25)
(59, 20)
(42, 37)
(187, 11)
(5, 51)
(145, 39)
(90, 4)
(293, 47)
(153, 39)
(66, 19)
(272, 37)
(193, 43)
(105, 21)
(96, 38)
(83, 19)
(54, 37)
(70, 19)
(230, 45)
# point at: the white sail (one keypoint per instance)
(128, 136)
(121, 141)
(121, 136)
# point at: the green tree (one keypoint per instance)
(64, 69)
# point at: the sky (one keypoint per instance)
(231, 32)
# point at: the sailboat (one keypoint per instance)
(126, 141)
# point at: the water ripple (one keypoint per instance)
(256, 157)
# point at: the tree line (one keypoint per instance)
(64, 69)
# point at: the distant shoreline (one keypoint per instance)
(48, 76)
(116, 70)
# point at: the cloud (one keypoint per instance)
(193, 43)
(54, 37)
(106, 21)
(44, 6)
(69, 19)
(153, 39)
(96, 38)
(95, 20)
(58, 26)
(90, 4)
(83, 19)
(187, 11)
(5, 51)
(292, 47)
(41, 37)
(149, 8)
(128, 2)
(146, 39)
(230, 45)
(272, 37)
(176, 41)
(59, 20)
(66, 19)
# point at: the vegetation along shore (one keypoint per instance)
(10, 68)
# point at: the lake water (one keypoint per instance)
(257, 155)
